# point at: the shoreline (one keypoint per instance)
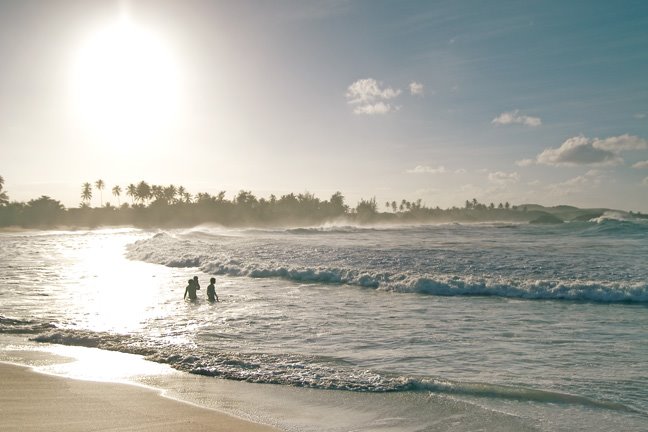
(36, 401)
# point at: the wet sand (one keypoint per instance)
(30, 401)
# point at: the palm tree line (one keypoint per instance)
(141, 193)
(154, 205)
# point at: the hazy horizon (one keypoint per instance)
(443, 101)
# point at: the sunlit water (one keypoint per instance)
(462, 327)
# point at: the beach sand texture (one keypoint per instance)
(30, 401)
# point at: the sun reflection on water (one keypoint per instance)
(108, 291)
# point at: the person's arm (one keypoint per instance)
(185, 295)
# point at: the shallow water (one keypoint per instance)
(510, 325)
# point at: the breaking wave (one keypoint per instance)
(170, 251)
(298, 370)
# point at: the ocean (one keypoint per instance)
(461, 327)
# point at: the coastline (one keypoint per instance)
(38, 402)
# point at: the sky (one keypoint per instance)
(445, 101)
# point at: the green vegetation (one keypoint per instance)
(174, 206)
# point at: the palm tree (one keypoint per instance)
(131, 191)
(169, 193)
(181, 193)
(4, 198)
(86, 193)
(116, 190)
(143, 191)
(157, 192)
(99, 184)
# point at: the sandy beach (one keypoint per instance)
(32, 401)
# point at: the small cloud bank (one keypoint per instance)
(581, 150)
(514, 117)
(525, 162)
(416, 89)
(369, 96)
(424, 169)
(376, 108)
(503, 178)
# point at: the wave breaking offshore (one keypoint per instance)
(170, 251)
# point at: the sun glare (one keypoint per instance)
(125, 84)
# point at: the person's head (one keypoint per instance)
(195, 278)
(212, 280)
(191, 281)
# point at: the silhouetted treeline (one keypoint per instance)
(171, 206)
(244, 210)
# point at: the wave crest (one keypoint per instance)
(169, 251)
(303, 371)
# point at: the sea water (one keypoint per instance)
(428, 327)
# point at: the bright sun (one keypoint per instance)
(125, 84)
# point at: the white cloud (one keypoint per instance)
(580, 150)
(375, 108)
(503, 178)
(416, 88)
(641, 164)
(369, 90)
(640, 116)
(525, 162)
(424, 169)
(460, 171)
(369, 97)
(514, 117)
(621, 142)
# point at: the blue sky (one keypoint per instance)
(519, 101)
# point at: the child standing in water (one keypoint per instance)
(211, 290)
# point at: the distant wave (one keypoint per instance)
(615, 216)
(610, 223)
(302, 371)
(332, 229)
(168, 251)
(205, 231)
